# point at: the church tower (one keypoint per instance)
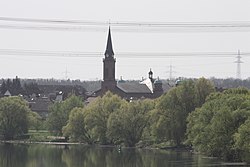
(109, 82)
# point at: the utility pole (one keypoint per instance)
(238, 61)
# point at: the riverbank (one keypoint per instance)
(53, 142)
(36, 142)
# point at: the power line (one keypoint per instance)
(119, 26)
(52, 28)
(44, 53)
(54, 21)
(122, 23)
(127, 29)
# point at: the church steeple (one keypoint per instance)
(109, 48)
(109, 61)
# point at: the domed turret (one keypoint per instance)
(121, 80)
(158, 81)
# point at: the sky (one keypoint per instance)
(137, 47)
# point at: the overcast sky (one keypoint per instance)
(137, 40)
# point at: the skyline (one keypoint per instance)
(137, 47)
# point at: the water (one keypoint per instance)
(37, 155)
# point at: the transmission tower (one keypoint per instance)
(238, 61)
(66, 73)
(171, 72)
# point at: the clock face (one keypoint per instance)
(107, 55)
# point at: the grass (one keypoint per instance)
(39, 136)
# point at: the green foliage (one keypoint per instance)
(127, 125)
(59, 113)
(203, 88)
(34, 120)
(173, 108)
(212, 129)
(109, 120)
(242, 140)
(170, 120)
(76, 127)
(242, 137)
(39, 136)
(13, 117)
(97, 115)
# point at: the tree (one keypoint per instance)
(211, 128)
(35, 120)
(59, 113)
(8, 84)
(173, 109)
(31, 88)
(97, 115)
(3, 87)
(76, 126)
(127, 125)
(242, 140)
(13, 117)
(203, 88)
(16, 87)
(13, 86)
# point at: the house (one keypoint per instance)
(7, 93)
(50, 94)
(40, 105)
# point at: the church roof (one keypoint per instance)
(148, 83)
(109, 47)
(129, 87)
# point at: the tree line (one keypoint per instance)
(113, 120)
(15, 87)
(18, 87)
(96, 84)
(191, 114)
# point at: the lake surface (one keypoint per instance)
(38, 155)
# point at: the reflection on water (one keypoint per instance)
(21, 155)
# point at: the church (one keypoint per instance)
(147, 88)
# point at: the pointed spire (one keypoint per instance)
(109, 49)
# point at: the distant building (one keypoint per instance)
(51, 94)
(147, 88)
(7, 93)
(40, 105)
